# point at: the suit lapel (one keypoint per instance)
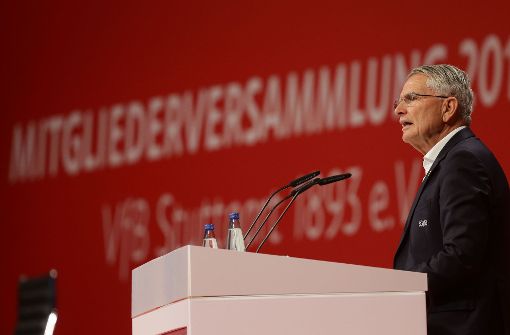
(460, 136)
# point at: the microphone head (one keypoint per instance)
(304, 187)
(303, 179)
(333, 179)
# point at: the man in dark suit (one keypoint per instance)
(458, 228)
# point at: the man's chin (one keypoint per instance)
(407, 139)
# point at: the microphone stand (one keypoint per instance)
(295, 194)
(294, 183)
(277, 221)
(265, 220)
(262, 209)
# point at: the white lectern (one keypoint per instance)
(200, 291)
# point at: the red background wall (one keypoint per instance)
(95, 226)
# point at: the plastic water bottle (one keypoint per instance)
(209, 238)
(235, 240)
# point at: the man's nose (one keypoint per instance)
(399, 108)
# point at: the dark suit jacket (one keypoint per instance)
(458, 232)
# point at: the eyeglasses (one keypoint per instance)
(410, 97)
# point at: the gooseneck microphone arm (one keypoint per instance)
(294, 183)
(265, 220)
(292, 194)
(295, 193)
(264, 207)
(276, 223)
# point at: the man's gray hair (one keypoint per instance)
(451, 81)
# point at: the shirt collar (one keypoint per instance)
(431, 156)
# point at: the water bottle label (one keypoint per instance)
(235, 240)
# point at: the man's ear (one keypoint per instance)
(450, 109)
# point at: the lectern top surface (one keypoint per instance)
(193, 271)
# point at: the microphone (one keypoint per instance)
(297, 190)
(295, 193)
(304, 187)
(305, 178)
(333, 179)
(294, 183)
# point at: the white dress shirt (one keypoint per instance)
(431, 156)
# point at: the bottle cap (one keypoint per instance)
(234, 216)
(209, 226)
